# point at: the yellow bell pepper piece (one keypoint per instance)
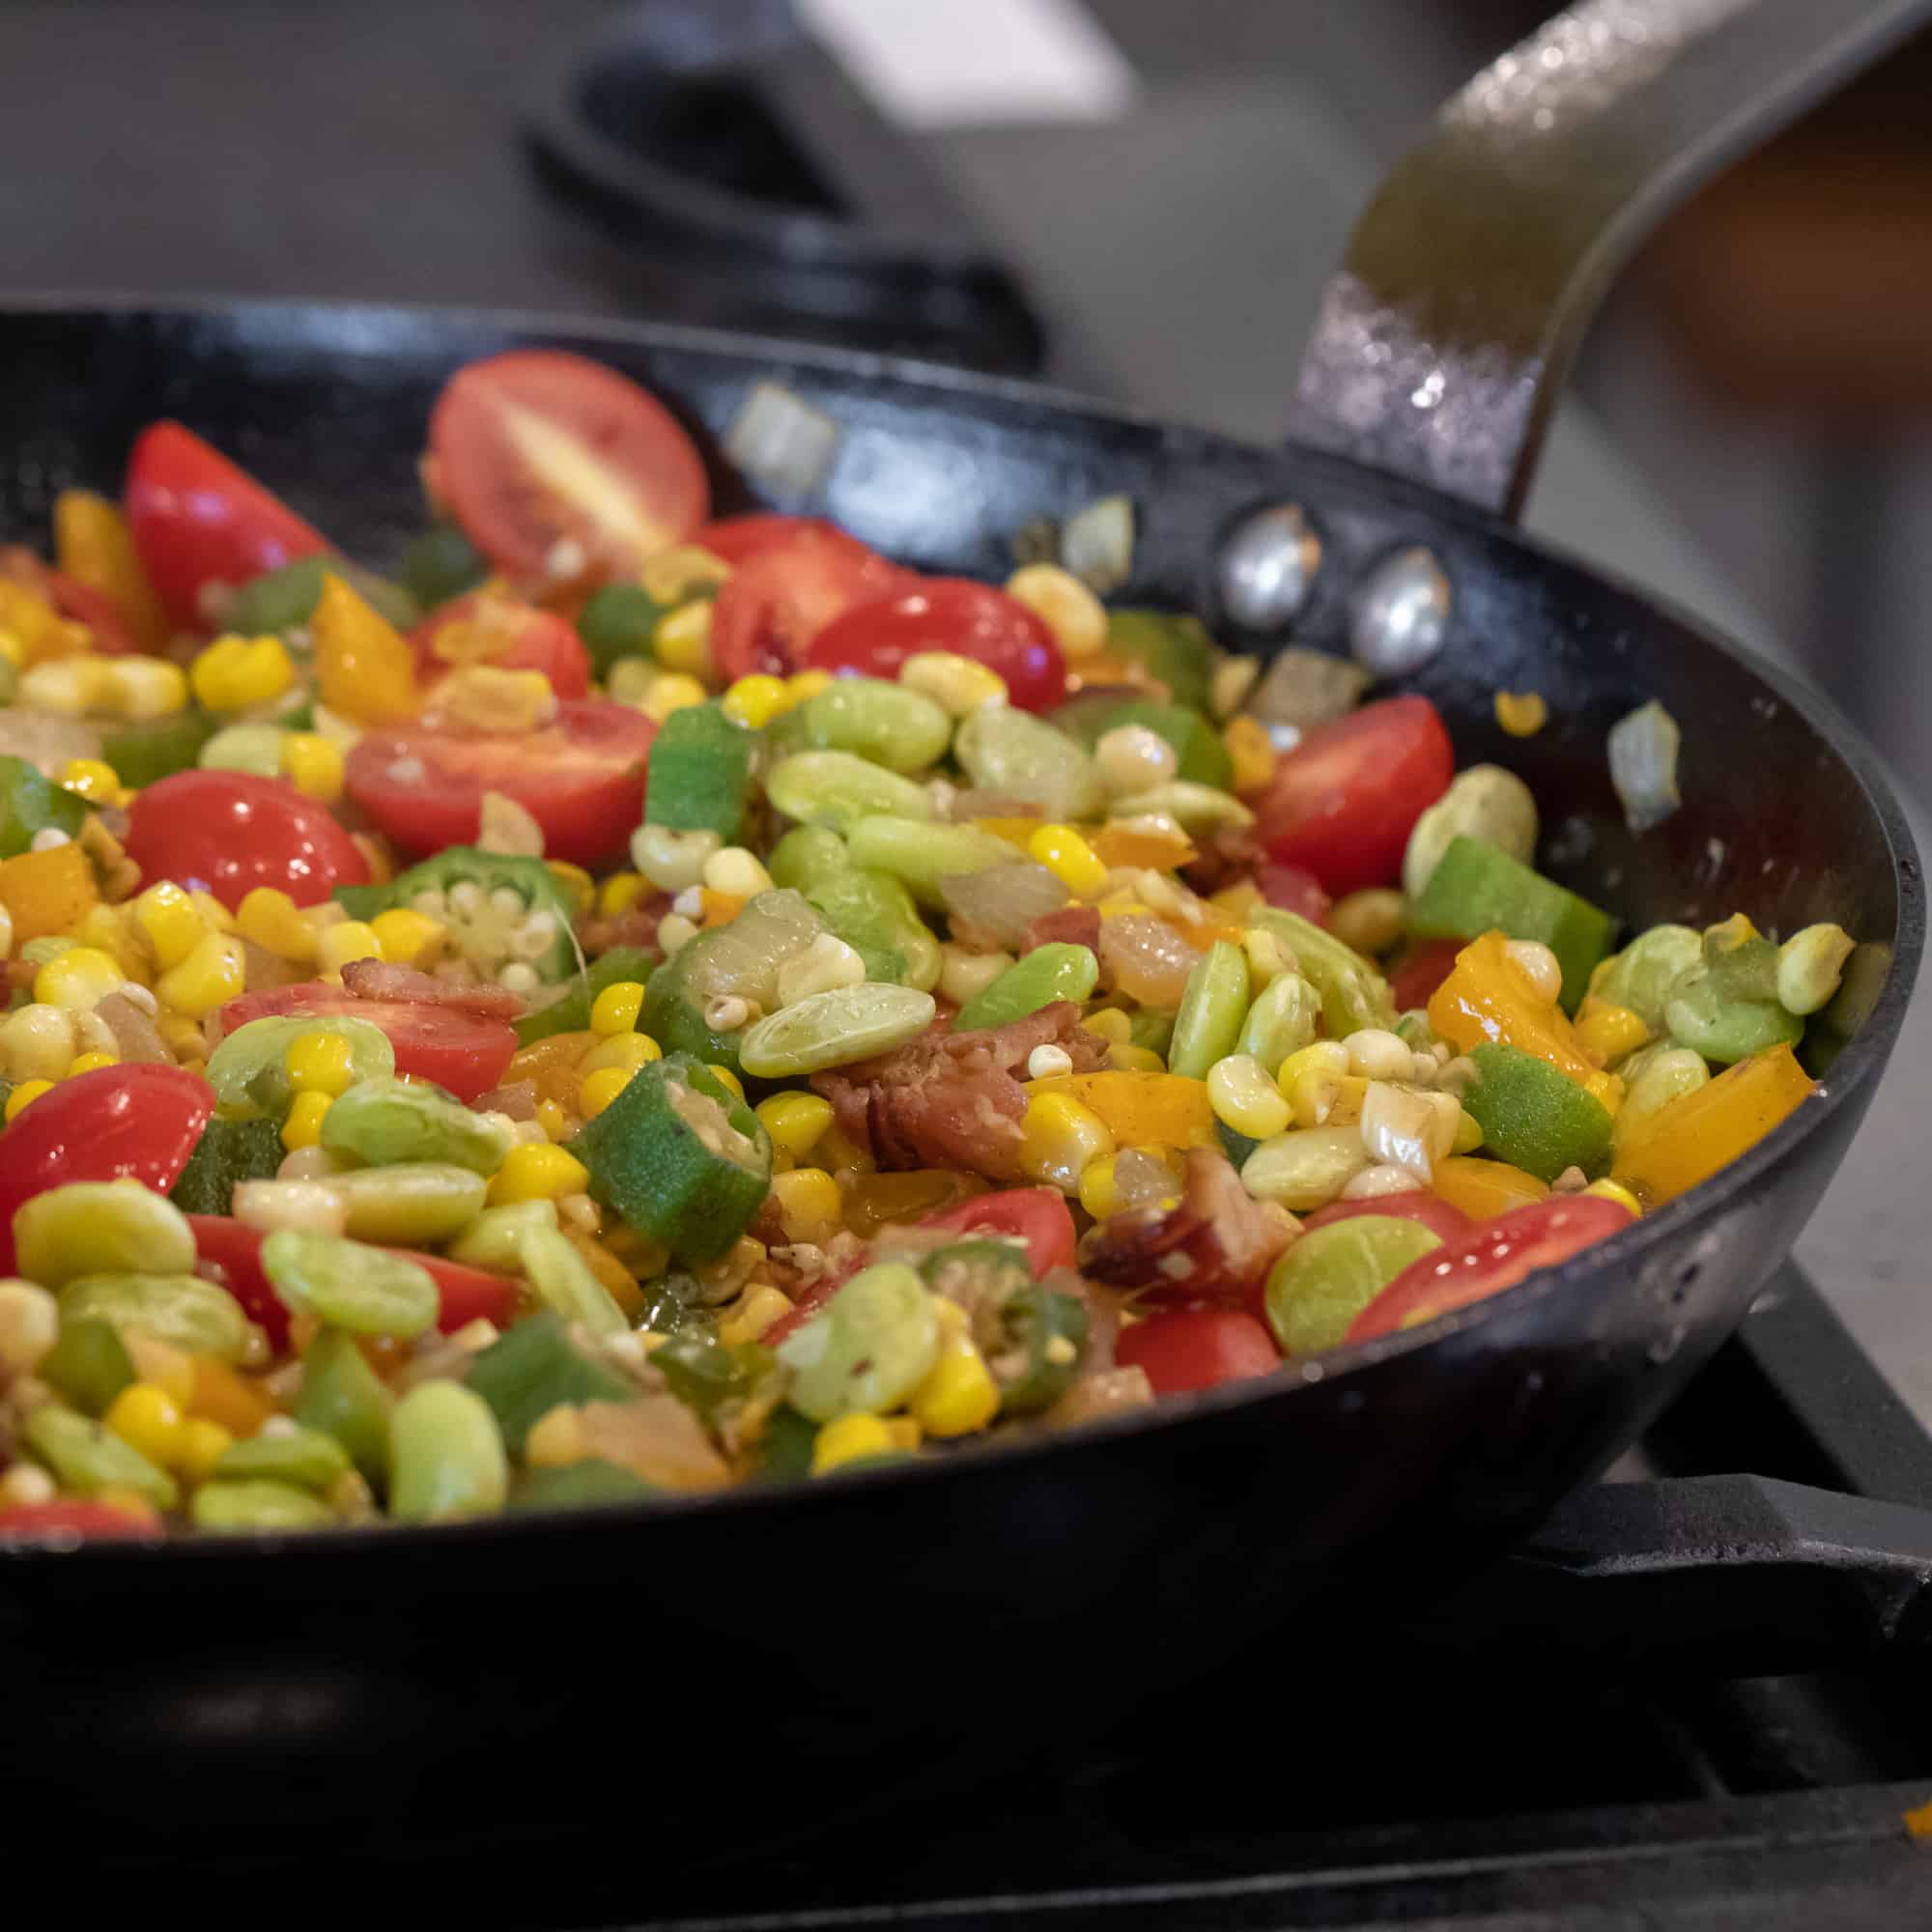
(1141, 1109)
(1607, 1031)
(47, 894)
(1699, 1132)
(366, 670)
(38, 630)
(1483, 1189)
(92, 546)
(1488, 998)
(1132, 845)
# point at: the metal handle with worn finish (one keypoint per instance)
(1450, 329)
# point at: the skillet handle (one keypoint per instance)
(1450, 329)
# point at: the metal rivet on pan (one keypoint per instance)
(1266, 566)
(1402, 615)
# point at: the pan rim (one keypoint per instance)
(1861, 1061)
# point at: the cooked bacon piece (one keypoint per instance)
(954, 1099)
(1218, 1245)
(1071, 926)
(635, 925)
(377, 979)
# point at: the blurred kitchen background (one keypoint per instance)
(1137, 197)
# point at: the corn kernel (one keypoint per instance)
(409, 937)
(147, 1420)
(214, 913)
(1311, 1081)
(213, 972)
(553, 1120)
(182, 1037)
(760, 1308)
(199, 1446)
(535, 1172)
(847, 1439)
(91, 1063)
(958, 685)
(271, 921)
(77, 978)
(556, 1439)
(670, 691)
(237, 673)
(614, 1010)
(92, 779)
(728, 1079)
(67, 686)
(1608, 1033)
(351, 939)
(599, 1089)
(1059, 1138)
(754, 701)
(1123, 1057)
(958, 1394)
(169, 922)
(1099, 1191)
(807, 1204)
(1521, 714)
(314, 765)
(620, 892)
(1110, 1023)
(682, 639)
(1252, 755)
(795, 1122)
(1615, 1190)
(11, 649)
(138, 688)
(1065, 606)
(804, 684)
(1068, 856)
(579, 886)
(628, 1050)
(304, 1127)
(1244, 1099)
(24, 1096)
(319, 1062)
(169, 1368)
(736, 871)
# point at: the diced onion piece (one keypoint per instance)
(1097, 544)
(1004, 900)
(1303, 688)
(782, 440)
(1644, 765)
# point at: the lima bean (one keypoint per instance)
(344, 1396)
(250, 1080)
(921, 854)
(447, 1455)
(100, 1227)
(1699, 1016)
(183, 1309)
(806, 855)
(1653, 1078)
(1213, 1004)
(305, 1458)
(876, 1342)
(834, 1029)
(1282, 1021)
(1353, 994)
(1305, 1168)
(1642, 976)
(563, 1278)
(836, 789)
(495, 1239)
(239, 1507)
(1194, 808)
(1011, 752)
(1485, 803)
(345, 1285)
(88, 1458)
(1058, 971)
(873, 720)
(383, 1122)
(413, 1204)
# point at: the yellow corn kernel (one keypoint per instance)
(600, 1088)
(849, 1438)
(538, 1173)
(682, 639)
(214, 913)
(670, 691)
(215, 972)
(958, 1394)
(304, 1127)
(12, 648)
(1244, 1099)
(809, 1204)
(366, 671)
(108, 930)
(795, 1122)
(313, 764)
(761, 1307)
(614, 1009)
(409, 937)
(349, 939)
(1523, 714)
(579, 886)
(804, 684)
(728, 1079)
(1311, 1081)
(142, 688)
(553, 1120)
(91, 1063)
(1060, 1138)
(1252, 755)
(238, 674)
(147, 1418)
(754, 701)
(557, 1439)
(1614, 1190)
(620, 892)
(319, 1062)
(1099, 1192)
(1111, 1024)
(1076, 617)
(24, 1096)
(170, 924)
(92, 779)
(958, 685)
(271, 921)
(1123, 1057)
(1068, 856)
(67, 686)
(1608, 1032)
(169, 1368)
(628, 1050)
(77, 978)
(199, 1447)
(182, 1037)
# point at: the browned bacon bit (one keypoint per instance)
(377, 979)
(954, 1099)
(1071, 926)
(1216, 1244)
(636, 925)
(1228, 853)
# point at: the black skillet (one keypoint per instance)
(984, 1600)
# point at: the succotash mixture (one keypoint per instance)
(640, 1002)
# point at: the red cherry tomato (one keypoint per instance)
(1343, 802)
(230, 1253)
(1439, 1216)
(538, 448)
(458, 1051)
(229, 832)
(98, 611)
(1039, 1216)
(1492, 1256)
(787, 591)
(197, 519)
(581, 778)
(141, 1119)
(948, 613)
(1292, 890)
(520, 637)
(738, 539)
(1183, 1348)
(68, 1519)
(1414, 981)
